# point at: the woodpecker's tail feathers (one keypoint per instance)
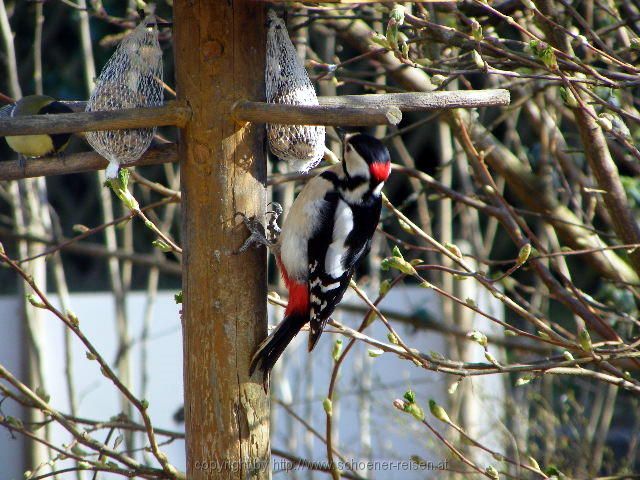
(271, 348)
(315, 330)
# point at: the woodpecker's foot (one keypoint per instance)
(257, 237)
(22, 162)
(273, 229)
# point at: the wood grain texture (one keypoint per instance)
(366, 110)
(219, 56)
(81, 162)
(173, 113)
(340, 115)
(345, 110)
(419, 101)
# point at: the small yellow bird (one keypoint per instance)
(36, 145)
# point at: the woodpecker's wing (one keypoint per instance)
(334, 253)
(327, 278)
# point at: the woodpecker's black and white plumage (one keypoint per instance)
(326, 234)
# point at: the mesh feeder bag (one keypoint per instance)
(132, 78)
(287, 82)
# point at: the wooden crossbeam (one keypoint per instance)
(245, 111)
(172, 113)
(346, 110)
(378, 106)
(424, 101)
(80, 162)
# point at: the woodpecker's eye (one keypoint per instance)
(349, 147)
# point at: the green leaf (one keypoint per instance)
(524, 253)
(404, 50)
(491, 359)
(380, 40)
(478, 337)
(385, 286)
(415, 410)
(410, 396)
(477, 59)
(73, 318)
(404, 225)
(438, 412)
(327, 404)
(453, 249)
(436, 355)
(398, 264)
(161, 245)
(79, 451)
(568, 97)
(545, 53)
(120, 188)
(33, 300)
(524, 379)
(492, 472)
(534, 463)
(397, 14)
(476, 30)
(585, 340)
(337, 350)
(392, 34)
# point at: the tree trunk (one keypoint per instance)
(219, 56)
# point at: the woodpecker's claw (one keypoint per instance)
(277, 209)
(272, 226)
(258, 235)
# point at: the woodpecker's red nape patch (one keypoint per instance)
(298, 299)
(380, 171)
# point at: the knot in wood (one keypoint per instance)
(212, 49)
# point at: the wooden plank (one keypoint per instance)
(172, 113)
(424, 101)
(219, 56)
(366, 110)
(345, 110)
(80, 162)
(336, 115)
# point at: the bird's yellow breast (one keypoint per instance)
(31, 145)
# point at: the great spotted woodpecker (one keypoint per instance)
(326, 234)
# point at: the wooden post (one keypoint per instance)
(219, 56)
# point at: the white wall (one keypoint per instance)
(302, 381)
(12, 451)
